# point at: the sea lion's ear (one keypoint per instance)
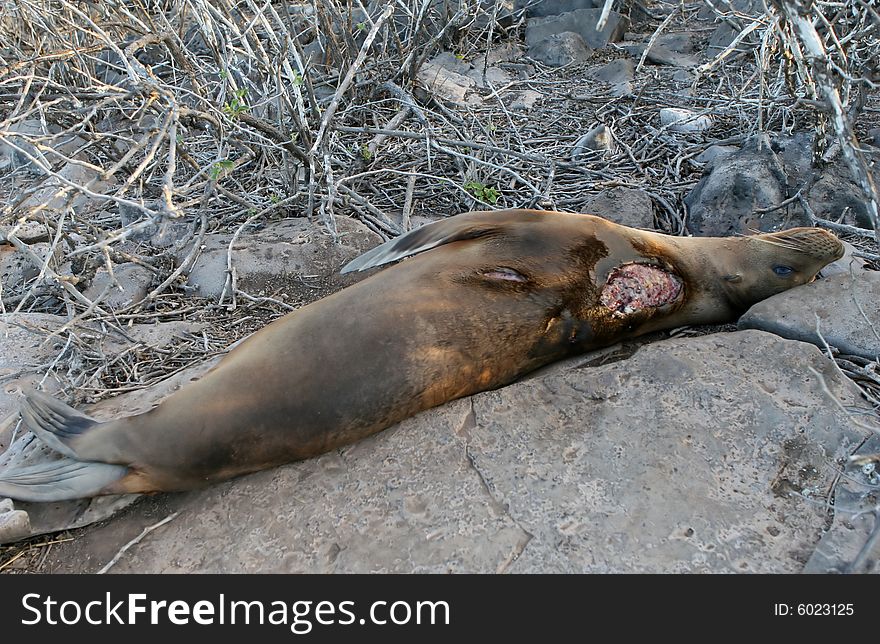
(422, 239)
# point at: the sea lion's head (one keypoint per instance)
(770, 263)
(723, 277)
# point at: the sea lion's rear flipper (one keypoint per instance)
(421, 239)
(55, 423)
(60, 480)
(75, 475)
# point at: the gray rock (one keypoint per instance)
(624, 206)
(616, 73)
(723, 203)
(452, 62)
(583, 22)
(846, 308)
(30, 232)
(525, 100)
(499, 11)
(25, 356)
(14, 524)
(831, 190)
(25, 135)
(725, 33)
(124, 132)
(598, 139)
(715, 153)
(672, 49)
(690, 456)
(315, 53)
(295, 256)
(494, 76)
(835, 193)
(55, 194)
(682, 458)
(17, 269)
(560, 49)
(504, 53)
(680, 42)
(458, 66)
(446, 84)
(129, 215)
(684, 77)
(676, 119)
(544, 8)
(795, 153)
(721, 38)
(159, 232)
(15, 150)
(132, 283)
(846, 265)
(855, 497)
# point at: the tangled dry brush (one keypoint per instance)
(172, 119)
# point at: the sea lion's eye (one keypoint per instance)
(783, 271)
(506, 274)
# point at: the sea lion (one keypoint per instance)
(484, 298)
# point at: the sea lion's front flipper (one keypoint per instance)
(60, 480)
(422, 239)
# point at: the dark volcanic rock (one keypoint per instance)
(836, 196)
(725, 200)
(583, 22)
(674, 49)
(545, 8)
(624, 206)
(617, 73)
(560, 49)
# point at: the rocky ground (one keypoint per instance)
(719, 450)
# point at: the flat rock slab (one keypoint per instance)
(682, 458)
(845, 307)
(692, 455)
(295, 257)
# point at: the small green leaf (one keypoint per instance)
(221, 169)
(482, 192)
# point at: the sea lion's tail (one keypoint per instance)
(73, 477)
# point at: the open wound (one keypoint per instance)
(634, 287)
